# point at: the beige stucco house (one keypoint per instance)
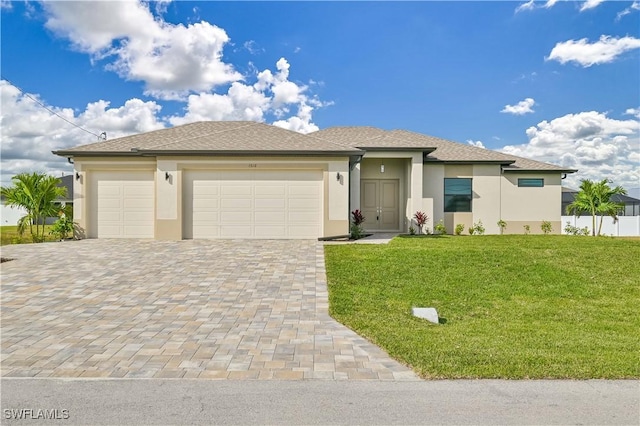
(252, 180)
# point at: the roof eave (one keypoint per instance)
(530, 170)
(245, 153)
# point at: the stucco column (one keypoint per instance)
(355, 189)
(168, 191)
(416, 185)
(80, 200)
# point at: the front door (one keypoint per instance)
(380, 204)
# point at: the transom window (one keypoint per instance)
(457, 195)
(530, 183)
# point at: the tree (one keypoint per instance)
(595, 198)
(36, 193)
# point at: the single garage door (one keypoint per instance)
(253, 204)
(122, 204)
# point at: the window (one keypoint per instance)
(531, 183)
(457, 195)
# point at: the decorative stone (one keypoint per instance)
(430, 314)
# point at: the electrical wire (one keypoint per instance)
(50, 110)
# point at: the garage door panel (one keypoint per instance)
(233, 189)
(278, 217)
(304, 204)
(253, 204)
(306, 191)
(141, 204)
(270, 204)
(235, 217)
(235, 203)
(235, 231)
(270, 231)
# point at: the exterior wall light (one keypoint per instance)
(167, 176)
(77, 176)
(338, 176)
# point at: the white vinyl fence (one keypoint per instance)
(625, 226)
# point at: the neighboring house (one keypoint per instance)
(631, 205)
(253, 180)
(9, 216)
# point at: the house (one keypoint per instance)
(252, 180)
(11, 215)
(631, 205)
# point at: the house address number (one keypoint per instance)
(252, 165)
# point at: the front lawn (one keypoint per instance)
(521, 306)
(9, 235)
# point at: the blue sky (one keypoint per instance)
(556, 81)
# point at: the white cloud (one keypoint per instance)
(599, 146)
(590, 4)
(521, 108)
(171, 59)
(550, 3)
(633, 111)
(634, 6)
(271, 94)
(29, 132)
(530, 5)
(603, 51)
(478, 144)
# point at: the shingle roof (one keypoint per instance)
(214, 136)
(442, 149)
(249, 137)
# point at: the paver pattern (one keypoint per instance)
(224, 309)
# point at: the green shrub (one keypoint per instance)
(439, 228)
(502, 224)
(459, 229)
(546, 227)
(527, 229)
(478, 228)
(62, 228)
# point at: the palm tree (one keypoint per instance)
(36, 193)
(606, 206)
(595, 198)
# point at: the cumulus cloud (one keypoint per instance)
(590, 4)
(634, 6)
(532, 4)
(171, 59)
(29, 132)
(271, 94)
(478, 144)
(521, 108)
(599, 146)
(586, 54)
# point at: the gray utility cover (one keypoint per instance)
(430, 314)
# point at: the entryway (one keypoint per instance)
(380, 204)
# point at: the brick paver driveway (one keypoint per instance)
(205, 309)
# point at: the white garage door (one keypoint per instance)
(122, 204)
(253, 204)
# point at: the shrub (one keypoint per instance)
(412, 230)
(62, 228)
(459, 229)
(478, 228)
(421, 219)
(574, 230)
(356, 229)
(502, 224)
(527, 229)
(439, 228)
(471, 230)
(546, 227)
(357, 218)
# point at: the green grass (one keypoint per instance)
(510, 306)
(9, 235)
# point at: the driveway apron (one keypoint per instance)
(225, 309)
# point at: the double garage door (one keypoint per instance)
(252, 204)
